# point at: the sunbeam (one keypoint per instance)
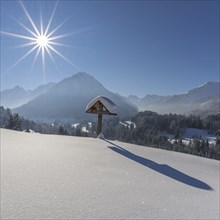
(24, 56)
(29, 18)
(40, 38)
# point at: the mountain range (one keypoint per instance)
(67, 100)
(12, 98)
(200, 100)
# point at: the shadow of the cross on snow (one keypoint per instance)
(161, 168)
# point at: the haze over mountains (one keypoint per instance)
(67, 100)
(204, 99)
(17, 96)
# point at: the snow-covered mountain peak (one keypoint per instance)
(203, 98)
(82, 76)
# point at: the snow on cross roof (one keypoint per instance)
(109, 106)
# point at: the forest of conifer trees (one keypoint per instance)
(151, 129)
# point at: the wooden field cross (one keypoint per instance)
(101, 105)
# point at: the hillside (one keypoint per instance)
(17, 96)
(201, 100)
(12, 98)
(63, 177)
(67, 100)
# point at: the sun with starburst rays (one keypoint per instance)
(40, 40)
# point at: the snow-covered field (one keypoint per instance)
(191, 133)
(200, 133)
(63, 177)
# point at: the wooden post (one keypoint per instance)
(99, 128)
(101, 106)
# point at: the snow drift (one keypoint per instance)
(64, 177)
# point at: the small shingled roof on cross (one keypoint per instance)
(109, 107)
(101, 105)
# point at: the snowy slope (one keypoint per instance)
(198, 94)
(189, 134)
(146, 102)
(63, 177)
(67, 100)
(12, 98)
(203, 99)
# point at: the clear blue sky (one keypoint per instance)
(131, 47)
